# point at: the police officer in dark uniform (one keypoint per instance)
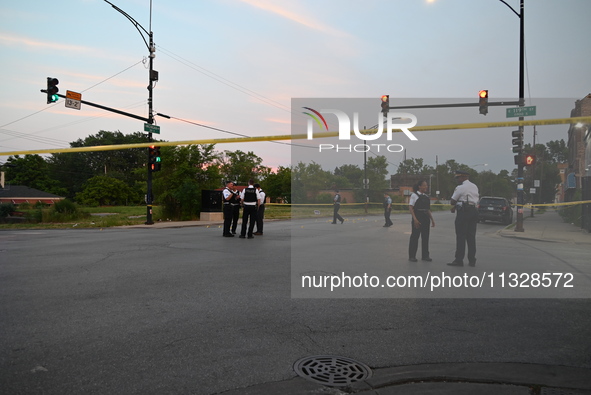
(464, 201)
(419, 206)
(337, 207)
(227, 196)
(250, 202)
(235, 203)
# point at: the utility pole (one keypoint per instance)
(520, 197)
(153, 76)
(533, 177)
(365, 184)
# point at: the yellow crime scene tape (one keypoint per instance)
(556, 121)
(527, 205)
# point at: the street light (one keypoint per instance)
(153, 76)
(520, 196)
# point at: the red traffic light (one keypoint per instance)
(385, 104)
(483, 102)
(529, 160)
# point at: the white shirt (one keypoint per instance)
(226, 193)
(249, 203)
(466, 192)
(413, 198)
(262, 196)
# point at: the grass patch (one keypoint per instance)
(83, 218)
(96, 217)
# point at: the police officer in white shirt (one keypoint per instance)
(261, 210)
(228, 196)
(250, 202)
(464, 201)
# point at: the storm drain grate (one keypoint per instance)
(332, 371)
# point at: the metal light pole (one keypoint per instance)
(153, 76)
(520, 197)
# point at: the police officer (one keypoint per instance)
(387, 210)
(337, 207)
(464, 201)
(227, 196)
(419, 206)
(250, 202)
(235, 203)
(261, 210)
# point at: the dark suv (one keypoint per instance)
(495, 209)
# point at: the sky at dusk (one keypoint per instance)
(236, 65)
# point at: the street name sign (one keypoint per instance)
(151, 128)
(521, 111)
(73, 100)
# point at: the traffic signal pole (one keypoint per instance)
(153, 76)
(520, 196)
(150, 195)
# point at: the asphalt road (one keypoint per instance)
(185, 310)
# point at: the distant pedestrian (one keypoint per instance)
(464, 201)
(337, 207)
(419, 206)
(227, 197)
(261, 210)
(387, 210)
(250, 198)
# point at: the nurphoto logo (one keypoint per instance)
(345, 129)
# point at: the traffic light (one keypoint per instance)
(518, 159)
(483, 101)
(517, 141)
(154, 159)
(385, 104)
(529, 159)
(52, 90)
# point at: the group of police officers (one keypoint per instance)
(464, 202)
(252, 201)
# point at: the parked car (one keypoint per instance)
(495, 209)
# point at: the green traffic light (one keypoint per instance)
(54, 98)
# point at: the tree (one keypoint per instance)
(377, 172)
(444, 177)
(103, 191)
(414, 166)
(34, 172)
(352, 173)
(73, 169)
(557, 151)
(278, 185)
(186, 171)
(241, 166)
(491, 184)
(308, 180)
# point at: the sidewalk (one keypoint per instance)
(548, 226)
(174, 224)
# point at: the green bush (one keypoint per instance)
(324, 198)
(6, 209)
(40, 205)
(65, 206)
